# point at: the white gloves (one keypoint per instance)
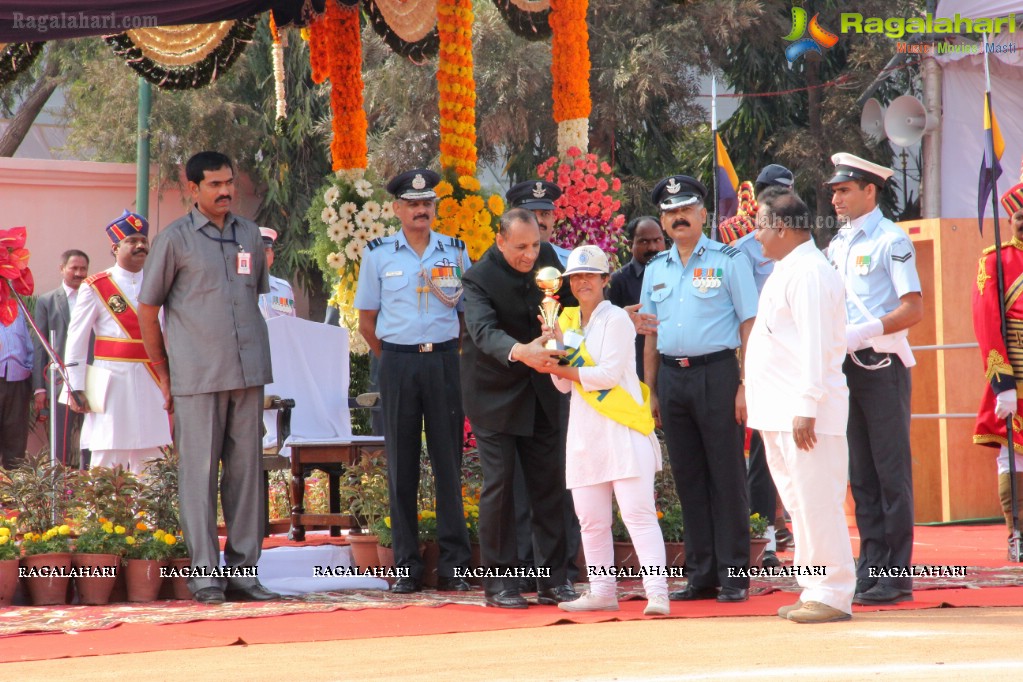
(1005, 403)
(856, 334)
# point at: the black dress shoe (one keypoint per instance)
(864, 584)
(507, 599)
(733, 594)
(770, 560)
(882, 594)
(556, 595)
(453, 585)
(254, 592)
(406, 585)
(693, 594)
(209, 595)
(527, 585)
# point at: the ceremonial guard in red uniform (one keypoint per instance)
(1002, 399)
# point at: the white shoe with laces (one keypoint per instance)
(657, 605)
(590, 602)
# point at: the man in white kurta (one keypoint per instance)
(133, 425)
(797, 397)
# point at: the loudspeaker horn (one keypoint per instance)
(872, 120)
(906, 121)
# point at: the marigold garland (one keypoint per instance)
(570, 71)
(456, 86)
(319, 49)
(341, 30)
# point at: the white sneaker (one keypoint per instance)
(590, 602)
(657, 606)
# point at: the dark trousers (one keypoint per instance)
(421, 391)
(880, 468)
(705, 450)
(523, 522)
(69, 430)
(14, 400)
(545, 478)
(763, 496)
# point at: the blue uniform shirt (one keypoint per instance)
(390, 282)
(16, 352)
(699, 307)
(751, 248)
(280, 302)
(562, 254)
(878, 262)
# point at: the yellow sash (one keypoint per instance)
(614, 403)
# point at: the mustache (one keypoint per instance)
(417, 216)
(681, 222)
(139, 250)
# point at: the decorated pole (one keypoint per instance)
(570, 71)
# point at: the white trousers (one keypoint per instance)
(636, 500)
(812, 487)
(1003, 461)
(134, 461)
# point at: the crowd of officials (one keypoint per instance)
(701, 339)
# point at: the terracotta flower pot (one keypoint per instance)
(364, 551)
(176, 586)
(96, 589)
(385, 557)
(431, 557)
(675, 554)
(8, 581)
(49, 589)
(626, 557)
(142, 578)
(756, 551)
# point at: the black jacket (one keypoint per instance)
(501, 308)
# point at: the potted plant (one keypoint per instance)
(96, 559)
(158, 494)
(40, 490)
(365, 488)
(147, 552)
(9, 553)
(46, 564)
(758, 543)
(178, 562)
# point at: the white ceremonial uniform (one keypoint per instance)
(134, 425)
(279, 302)
(794, 368)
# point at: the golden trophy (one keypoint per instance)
(548, 279)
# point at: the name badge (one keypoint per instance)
(244, 263)
(394, 273)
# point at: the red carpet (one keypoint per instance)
(977, 546)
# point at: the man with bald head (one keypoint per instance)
(514, 411)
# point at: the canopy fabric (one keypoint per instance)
(33, 20)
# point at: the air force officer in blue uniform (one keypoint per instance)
(705, 299)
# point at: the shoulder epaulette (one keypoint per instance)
(991, 249)
(660, 254)
(456, 242)
(95, 277)
(375, 243)
(729, 251)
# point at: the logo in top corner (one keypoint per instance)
(820, 38)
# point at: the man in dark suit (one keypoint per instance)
(53, 313)
(514, 410)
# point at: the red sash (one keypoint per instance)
(110, 348)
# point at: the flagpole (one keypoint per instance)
(714, 144)
(1014, 538)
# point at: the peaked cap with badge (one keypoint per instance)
(127, 225)
(850, 167)
(534, 195)
(677, 191)
(414, 185)
(269, 236)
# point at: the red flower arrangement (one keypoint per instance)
(13, 269)
(587, 210)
